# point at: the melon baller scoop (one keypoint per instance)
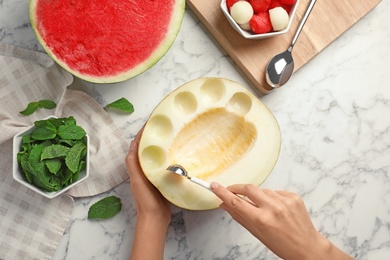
(179, 170)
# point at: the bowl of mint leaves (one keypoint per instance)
(51, 156)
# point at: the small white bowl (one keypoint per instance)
(16, 169)
(251, 35)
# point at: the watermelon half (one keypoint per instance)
(106, 41)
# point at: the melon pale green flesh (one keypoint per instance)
(218, 130)
(105, 41)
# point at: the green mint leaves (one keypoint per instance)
(54, 151)
(71, 132)
(54, 154)
(73, 157)
(33, 106)
(123, 105)
(105, 208)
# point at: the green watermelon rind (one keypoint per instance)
(157, 54)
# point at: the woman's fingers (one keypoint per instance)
(132, 157)
(229, 198)
(233, 203)
(139, 134)
(132, 163)
(255, 195)
(285, 193)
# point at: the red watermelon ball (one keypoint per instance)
(260, 5)
(288, 2)
(261, 23)
(275, 3)
(280, 3)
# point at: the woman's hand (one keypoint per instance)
(149, 201)
(153, 210)
(279, 219)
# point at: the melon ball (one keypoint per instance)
(241, 12)
(245, 26)
(279, 18)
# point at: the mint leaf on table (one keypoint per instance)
(105, 208)
(48, 104)
(122, 104)
(33, 106)
(30, 109)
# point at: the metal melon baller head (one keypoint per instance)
(180, 170)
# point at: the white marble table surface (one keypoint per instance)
(334, 116)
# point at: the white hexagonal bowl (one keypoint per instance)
(253, 36)
(16, 169)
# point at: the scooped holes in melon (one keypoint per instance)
(212, 142)
(185, 103)
(233, 140)
(160, 126)
(153, 157)
(212, 90)
(240, 103)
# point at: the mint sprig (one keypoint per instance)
(122, 104)
(33, 106)
(105, 208)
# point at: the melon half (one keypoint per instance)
(218, 130)
(106, 41)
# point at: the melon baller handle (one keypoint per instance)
(200, 182)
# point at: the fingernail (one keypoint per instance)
(133, 145)
(214, 185)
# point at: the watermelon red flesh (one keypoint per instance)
(103, 38)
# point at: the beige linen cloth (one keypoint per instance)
(31, 226)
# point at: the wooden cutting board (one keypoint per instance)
(328, 20)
